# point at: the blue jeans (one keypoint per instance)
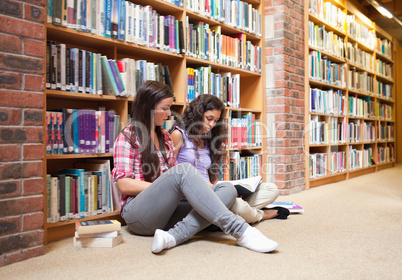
(182, 202)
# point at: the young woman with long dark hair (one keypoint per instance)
(198, 138)
(168, 200)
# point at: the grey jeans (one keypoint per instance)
(181, 202)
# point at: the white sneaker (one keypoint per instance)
(254, 240)
(162, 240)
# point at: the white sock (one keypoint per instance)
(162, 240)
(254, 240)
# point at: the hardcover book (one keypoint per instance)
(96, 242)
(90, 227)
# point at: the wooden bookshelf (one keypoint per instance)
(362, 58)
(251, 87)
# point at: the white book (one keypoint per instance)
(108, 234)
(245, 186)
(97, 242)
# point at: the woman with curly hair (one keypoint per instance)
(198, 138)
(162, 198)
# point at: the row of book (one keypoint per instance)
(360, 81)
(328, 12)
(336, 18)
(97, 234)
(385, 154)
(361, 132)
(361, 107)
(383, 90)
(78, 70)
(326, 101)
(384, 46)
(225, 86)
(338, 131)
(119, 19)
(323, 70)
(321, 132)
(207, 42)
(327, 41)
(383, 68)
(244, 131)
(353, 160)
(74, 131)
(242, 167)
(360, 158)
(85, 190)
(359, 57)
(360, 32)
(386, 132)
(236, 13)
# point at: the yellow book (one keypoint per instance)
(97, 226)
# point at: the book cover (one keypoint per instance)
(89, 227)
(245, 186)
(98, 242)
(108, 234)
(292, 207)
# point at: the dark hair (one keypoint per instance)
(148, 95)
(192, 122)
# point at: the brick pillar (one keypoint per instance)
(284, 62)
(22, 49)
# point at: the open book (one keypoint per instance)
(245, 186)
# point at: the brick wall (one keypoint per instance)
(284, 62)
(22, 49)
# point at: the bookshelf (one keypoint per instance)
(350, 94)
(249, 84)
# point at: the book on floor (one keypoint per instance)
(292, 207)
(98, 242)
(245, 186)
(108, 234)
(97, 226)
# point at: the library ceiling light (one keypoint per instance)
(379, 6)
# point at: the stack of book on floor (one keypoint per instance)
(293, 208)
(97, 234)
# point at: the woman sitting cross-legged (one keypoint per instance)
(159, 197)
(198, 139)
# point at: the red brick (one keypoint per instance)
(22, 99)
(35, 13)
(10, 44)
(10, 152)
(14, 243)
(10, 225)
(2, 260)
(10, 80)
(34, 151)
(33, 252)
(32, 169)
(34, 83)
(33, 186)
(10, 116)
(21, 205)
(22, 64)
(34, 47)
(10, 189)
(22, 28)
(13, 257)
(32, 221)
(33, 117)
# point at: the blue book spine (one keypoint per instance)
(76, 140)
(108, 18)
(122, 21)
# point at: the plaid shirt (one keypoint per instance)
(127, 159)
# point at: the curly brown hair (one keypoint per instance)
(192, 122)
